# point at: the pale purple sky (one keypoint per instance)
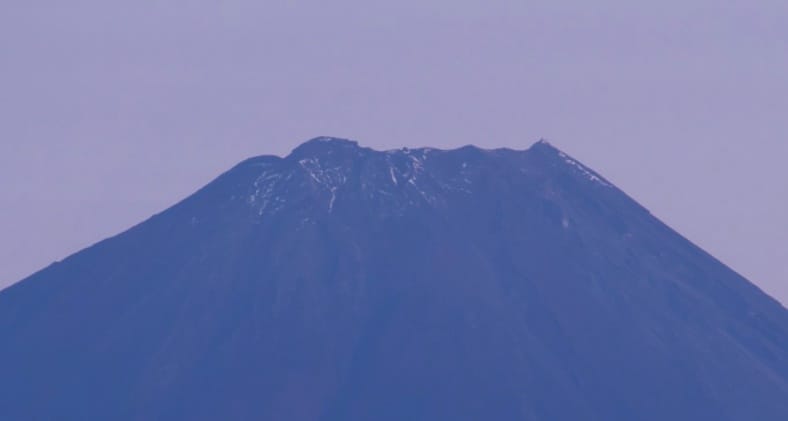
(111, 111)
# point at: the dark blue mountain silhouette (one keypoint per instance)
(343, 283)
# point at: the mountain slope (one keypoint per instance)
(344, 283)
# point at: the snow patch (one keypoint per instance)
(333, 199)
(324, 177)
(583, 169)
(262, 195)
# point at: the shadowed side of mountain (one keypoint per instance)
(344, 283)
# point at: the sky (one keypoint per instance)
(111, 111)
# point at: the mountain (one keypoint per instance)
(344, 283)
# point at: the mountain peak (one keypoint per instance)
(332, 171)
(544, 146)
(561, 158)
(325, 145)
(346, 284)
